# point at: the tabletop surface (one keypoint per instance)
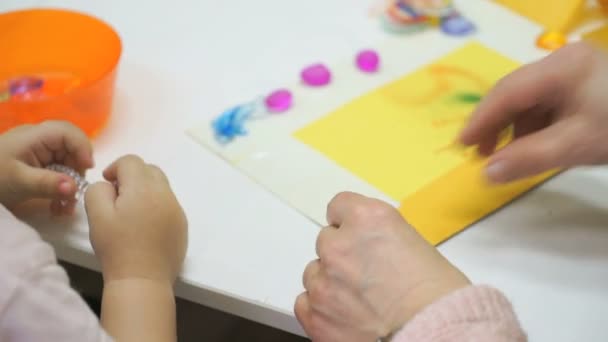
(186, 61)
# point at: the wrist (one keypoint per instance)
(136, 281)
(117, 266)
(139, 309)
(422, 296)
(138, 287)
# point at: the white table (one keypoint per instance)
(185, 62)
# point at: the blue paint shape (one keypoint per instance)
(231, 123)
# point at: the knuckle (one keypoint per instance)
(371, 210)
(359, 212)
(335, 250)
(129, 159)
(340, 197)
(381, 209)
(308, 273)
(45, 184)
(300, 305)
(57, 124)
(157, 172)
(549, 152)
(320, 292)
(322, 241)
(329, 248)
(13, 170)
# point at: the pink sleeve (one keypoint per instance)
(475, 313)
(36, 300)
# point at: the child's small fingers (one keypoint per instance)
(68, 207)
(73, 163)
(125, 169)
(64, 137)
(42, 183)
(55, 208)
(62, 207)
(99, 200)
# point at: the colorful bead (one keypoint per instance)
(432, 8)
(551, 40)
(457, 26)
(316, 75)
(368, 61)
(25, 85)
(279, 101)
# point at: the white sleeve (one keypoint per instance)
(36, 300)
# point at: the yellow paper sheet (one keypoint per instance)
(458, 199)
(399, 138)
(598, 37)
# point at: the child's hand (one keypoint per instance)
(25, 151)
(137, 229)
(559, 109)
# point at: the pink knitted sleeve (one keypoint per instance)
(474, 313)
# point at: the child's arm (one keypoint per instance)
(139, 233)
(138, 309)
(36, 300)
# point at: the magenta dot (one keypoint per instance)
(279, 101)
(368, 61)
(316, 75)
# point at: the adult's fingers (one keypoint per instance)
(543, 84)
(35, 182)
(303, 313)
(547, 149)
(341, 206)
(310, 273)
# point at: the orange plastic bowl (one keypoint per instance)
(56, 65)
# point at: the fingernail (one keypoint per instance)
(496, 171)
(65, 187)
